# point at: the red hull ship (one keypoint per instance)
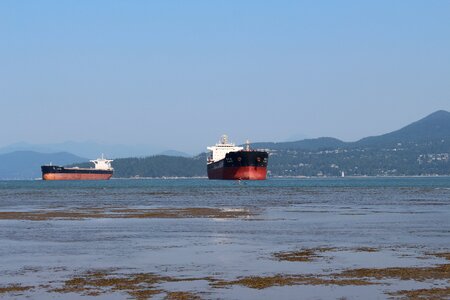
(101, 171)
(227, 161)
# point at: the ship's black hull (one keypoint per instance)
(240, 165)
(61, 173)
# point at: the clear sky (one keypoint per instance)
(178, 74)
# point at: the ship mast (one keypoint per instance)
(224, 139)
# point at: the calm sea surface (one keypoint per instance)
(403, 219)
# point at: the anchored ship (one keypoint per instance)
(102, 171)
(228, 161)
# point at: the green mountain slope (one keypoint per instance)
(159, 166)
(433, 128)
(308, 144)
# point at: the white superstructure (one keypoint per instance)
(221, 149)
(102, 163)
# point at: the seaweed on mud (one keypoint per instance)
(312, 254)
(303, 255)
(138, 285)
(144, 293)
(353, 277)
(366, 249)
(445, 255)
(361, 276)
(429, 294)
(181, 296)
(262, 282)
(127, 213)
(14, 288)
(402, 273)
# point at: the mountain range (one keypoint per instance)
(420, 148)
(27, 164)
(434, 127)
(92, 149)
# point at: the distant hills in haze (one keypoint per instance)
(27, 164)
(85, 149)
(420, 148)
(174, 153)
(23, 160)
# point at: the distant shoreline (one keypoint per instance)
(269, 178)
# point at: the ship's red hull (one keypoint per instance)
(238, 173)
(75, 176)
(240, 165)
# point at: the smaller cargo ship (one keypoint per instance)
(102, 171)
(228, 161)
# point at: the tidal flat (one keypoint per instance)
(352, 238)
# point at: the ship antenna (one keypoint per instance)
(247, 147)
(224, 139)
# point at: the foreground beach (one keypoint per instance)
(351, 238)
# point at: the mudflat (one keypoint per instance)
(199, 239)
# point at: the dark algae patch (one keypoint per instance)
(14, 288)
(303, 255)
(429, 294)
(445, 255)
(144, 293)
(366, 249)
(312, 254)
(262, 282)
(439, 272)
(138, 286)
(99, 213)
(350, 277)
(181, 296)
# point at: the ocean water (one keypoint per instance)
(402, 220)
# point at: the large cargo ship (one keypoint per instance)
(228, 161)
(102, 171)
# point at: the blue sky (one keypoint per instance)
(178, 74)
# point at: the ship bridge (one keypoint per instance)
(102, 163)
(220, 150)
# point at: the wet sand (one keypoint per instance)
(125, 213)
(236, 242)
(146, 285)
